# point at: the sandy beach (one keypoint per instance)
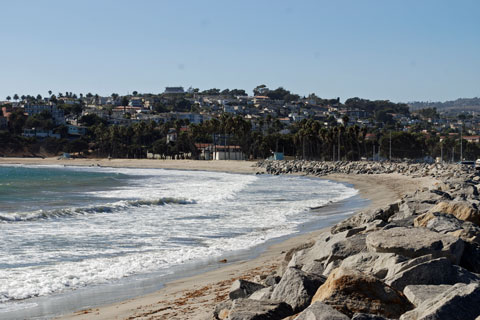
(221, 166)
(195, 297)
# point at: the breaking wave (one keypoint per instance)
(108, 208)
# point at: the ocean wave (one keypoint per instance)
(107, 208)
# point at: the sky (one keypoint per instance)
(409, 50)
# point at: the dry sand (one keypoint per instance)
(195, 297)
(223, 166)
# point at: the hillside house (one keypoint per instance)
(57, 114)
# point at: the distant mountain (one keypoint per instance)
(462, 104)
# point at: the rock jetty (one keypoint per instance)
(416, 258)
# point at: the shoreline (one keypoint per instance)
(194, 297)
(230, 166)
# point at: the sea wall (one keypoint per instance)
(416, 258)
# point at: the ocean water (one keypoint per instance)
(67, 228)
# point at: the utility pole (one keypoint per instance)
(373, 155)
(333, 153)
(390, 151)
(453, 154)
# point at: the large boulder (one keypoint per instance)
(321, 311)
(463, 210)
(366, 316)
(262, 294)
(297, 288)
(247, 309)
(425, 270)
(415, 242)
(461, 301)
(438, 222)
(312, 259)
(350, 291)
(417, 294)
(243, 288)
(343, 249)
(410, 208)
(375, 264)
(449, 224)
(222, 310)
(364, 217)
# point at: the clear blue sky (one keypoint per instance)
(376, 49)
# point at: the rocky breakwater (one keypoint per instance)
(417, 258)
(321, 168)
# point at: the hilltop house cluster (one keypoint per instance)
(116, 110)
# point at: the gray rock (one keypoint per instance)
(425, 270)
(243, 288)
(461, 301)
(247, 309)
(407, 222)
(315, 256)
(272, 280)
(444, 223)
(366, 316)
(375, 264)
(410, 208)
(417, 294)
(262, 294)
(365, 217)
(315, 267)
(321, 311)
(294, 254)
(343, 249)
(222, 310)
(415, 242)
(297, 288)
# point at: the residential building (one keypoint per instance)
(40, 133)
(57, 114)
(136, 102)
(196, 118)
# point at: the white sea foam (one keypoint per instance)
(219, 213)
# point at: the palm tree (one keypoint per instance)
(9, 98)
(15, 97)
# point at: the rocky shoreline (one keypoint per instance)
(416, 258)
